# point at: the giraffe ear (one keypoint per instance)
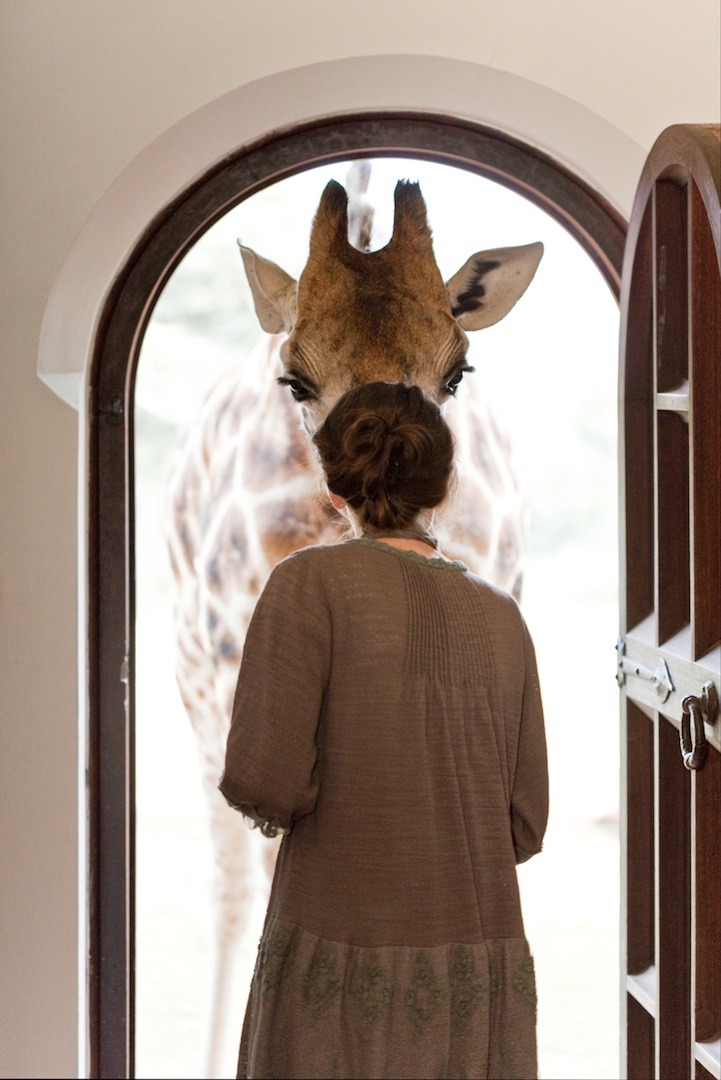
(489, 284)
(274, 291)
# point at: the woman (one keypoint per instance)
(388, 720)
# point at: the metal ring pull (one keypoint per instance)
(694, 748)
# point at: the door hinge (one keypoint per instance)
(660, 677)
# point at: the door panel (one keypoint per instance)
(669, 662)
(705, 303)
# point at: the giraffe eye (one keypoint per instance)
(455, 380)
(297, 389)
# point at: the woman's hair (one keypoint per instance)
(386, 450)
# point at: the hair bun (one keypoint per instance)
(412, 443)
(386, 447)
(367, 446)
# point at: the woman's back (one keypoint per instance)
(408, 793)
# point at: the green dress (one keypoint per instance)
(388, 719)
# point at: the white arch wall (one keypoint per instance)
(85, 86)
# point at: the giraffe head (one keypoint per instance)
(386, 315)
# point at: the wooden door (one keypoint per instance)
(669, 651)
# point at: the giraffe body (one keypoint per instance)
(246, 489)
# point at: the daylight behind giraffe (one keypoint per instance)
(246, 489)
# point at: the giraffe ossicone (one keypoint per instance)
(245, 490)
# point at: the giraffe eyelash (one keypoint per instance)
(451, 385)
(298, 389)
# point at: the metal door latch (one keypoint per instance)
(660, 677)
(692, 737)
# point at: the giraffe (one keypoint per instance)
(245, 490)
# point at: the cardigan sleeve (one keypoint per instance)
(529, 798)
(271, 755)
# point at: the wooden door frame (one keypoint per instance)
(590, 219)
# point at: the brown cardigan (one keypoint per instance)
(388, 716)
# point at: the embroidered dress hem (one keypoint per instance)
(325, 1008)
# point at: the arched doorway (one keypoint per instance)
(587, 216)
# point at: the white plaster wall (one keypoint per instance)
(85, 85)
